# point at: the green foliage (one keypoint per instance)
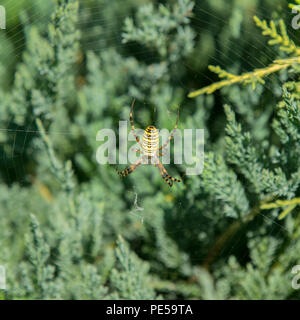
(165, 30)
(71, 229)
(131, 278)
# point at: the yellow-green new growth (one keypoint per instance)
(257, 75)
(289, 205)
(281, 38)
(295, 5)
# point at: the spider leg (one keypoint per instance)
(165, 178)
(132, 123)
(165, 175)
(130, 169)
(171, 135)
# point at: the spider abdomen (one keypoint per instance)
(150, 142)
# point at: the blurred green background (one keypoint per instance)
(71, 228)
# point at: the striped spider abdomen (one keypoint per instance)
(150, 141)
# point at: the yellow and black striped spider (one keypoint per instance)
(150, 150)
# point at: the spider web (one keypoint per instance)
(13, 161)
(234, 240)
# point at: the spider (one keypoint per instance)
(150, 150)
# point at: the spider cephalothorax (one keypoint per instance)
(150, 150)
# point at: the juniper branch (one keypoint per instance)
(249, 77)
(289, 206)
(257, 75)
(230, 231)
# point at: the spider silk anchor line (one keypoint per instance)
(149, 151)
